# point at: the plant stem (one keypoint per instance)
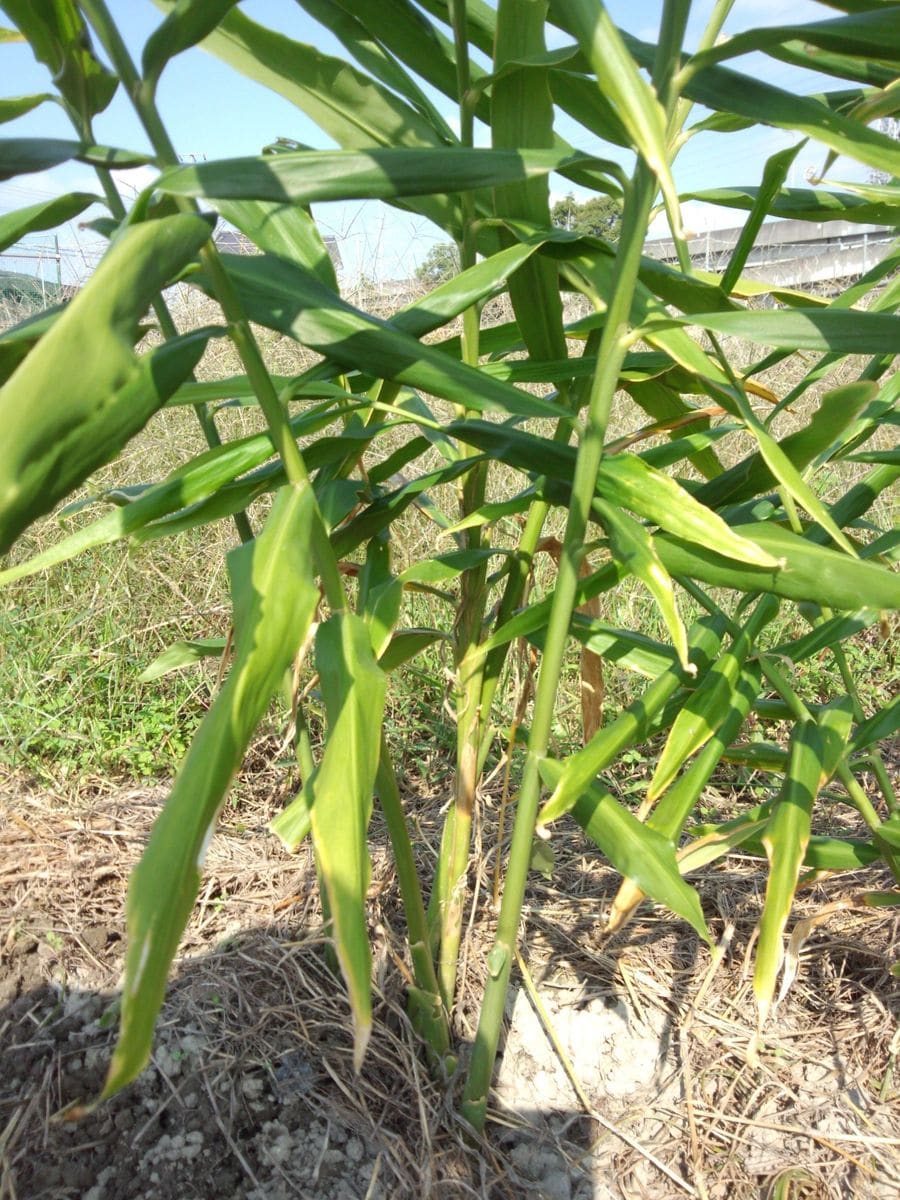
(448, 899)
(275, 412)
(671, 36)
(717, 19)
(167, 325)
(610, 357)
(427, 1011)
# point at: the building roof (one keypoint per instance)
(232, 241)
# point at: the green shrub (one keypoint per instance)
(745, 572)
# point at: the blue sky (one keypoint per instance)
(213, 112)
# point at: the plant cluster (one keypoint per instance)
(395, 410)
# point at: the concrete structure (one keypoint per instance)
(790, 253)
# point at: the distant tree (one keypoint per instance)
(891, 127)
(440, 264)
(600, 216)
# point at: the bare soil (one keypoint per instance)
(251, 1091)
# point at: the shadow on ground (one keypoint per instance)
(251, 1092)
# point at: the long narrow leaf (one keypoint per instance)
(338, 797)
(630, 727)
(274, 602)
(46, 214)
(60, 422)
(634, 850)
(785, 840)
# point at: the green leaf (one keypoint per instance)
(61, 422)
(345, 103)
(180, 655)
(19, 340)
(629, 728)
(374, 174)
(274, 602)
(371, 34)
(889, 831)
(420, 44)
(633, 849)
(406, 644)
(338, 796)
(624, 479)
(708, 707)
(674, 808)
(60, 40)
(355, 110)
(521, 115)
(188, 23)
(748, 478)
(774, 174)
(889, 457)
(882, 724)
(187, 485)
(785, 841)
(627, 649)
(834, 721)
(802, 204)
(808, 572)
(618, 76)
(16, 106)
(542, 857)
(336, 498)
(872, 34)
(826, 635)
(662, 402)
(285, 297)
(793, 483)
(46, 214)
(380, 593)
(632, 546)
(385, 510)
(849, 332)
(487, 514)
(744, 95)
(442, 567)
(454, 296)
(287, 230)
(23, 156)
(822, 853)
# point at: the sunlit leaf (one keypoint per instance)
(61, 422)
(274, 602)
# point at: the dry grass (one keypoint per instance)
(253, 986)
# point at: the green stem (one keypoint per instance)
(448, 898)
(671, 36)
(717, 19)
(610, 358)
(141, 95)
(522, 561)
(427, 1011)
(861, 801)
(169, 330)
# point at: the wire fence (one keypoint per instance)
(43, 270)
